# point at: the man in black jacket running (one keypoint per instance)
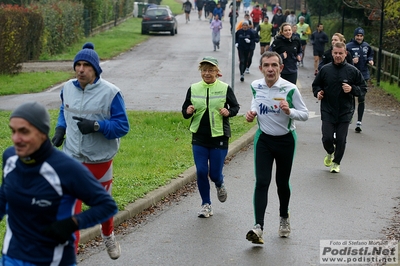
(336, 85)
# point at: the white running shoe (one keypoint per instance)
(206, 211)
(284, 227)
(255, 235)
(112, 245)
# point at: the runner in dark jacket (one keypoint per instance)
(199, 6)
(277, 20)
(39, 190)
(363, 55)
(244, 38)
(211, 5)
(336, 85)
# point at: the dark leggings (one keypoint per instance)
(361, 106)
(328, 129)
(250, 59)
(268, 149)
(244, 58)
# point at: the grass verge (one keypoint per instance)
(392, 89)
(32, 82)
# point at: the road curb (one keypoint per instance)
(158, 194)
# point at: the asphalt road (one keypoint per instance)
(356, 204)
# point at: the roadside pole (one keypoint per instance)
(233, 44)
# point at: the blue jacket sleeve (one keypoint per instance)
(118, 125)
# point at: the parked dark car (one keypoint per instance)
(159, 18)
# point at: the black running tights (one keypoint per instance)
(267, 150)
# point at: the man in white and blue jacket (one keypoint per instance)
(40, 187)
(363, 55)
(93, 118)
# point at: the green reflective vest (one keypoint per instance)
(216, 93)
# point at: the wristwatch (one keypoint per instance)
(96, 126)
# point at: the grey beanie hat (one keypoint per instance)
(34, 113)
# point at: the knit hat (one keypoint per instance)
(359, 30)
(35, 113)
(89, 55)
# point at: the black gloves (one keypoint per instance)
(58, 138)
(86, 126)
(62, 230)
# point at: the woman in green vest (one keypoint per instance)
(210, 103)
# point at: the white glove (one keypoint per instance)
(237, 45)
(247, 40)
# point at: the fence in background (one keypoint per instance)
(390, 67)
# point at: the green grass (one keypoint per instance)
(175, 6)
(392, 89)
(31, 82)
(108, 44)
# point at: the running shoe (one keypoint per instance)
(206, 211)
(222, 193)
(247, 71)
(113, 247)
(255, 235)
(335, 168)
(358, 127)
(328, 160)
(241, 78)
(284, 227)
